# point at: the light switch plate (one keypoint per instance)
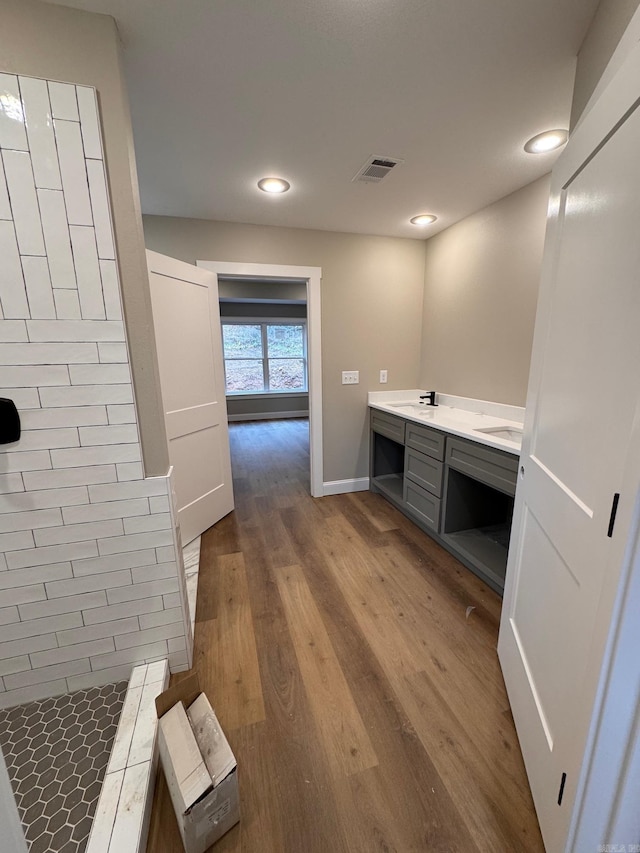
(383, 376)
(350, 377)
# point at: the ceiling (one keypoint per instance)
(224, 92)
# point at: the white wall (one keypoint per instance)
(90, 561)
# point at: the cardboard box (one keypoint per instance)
(198, 764)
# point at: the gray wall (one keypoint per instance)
(59, 43)
(250, 289)
(268, 408)
(608, 25)
(372, 291)
(251, 309)
(481, 289)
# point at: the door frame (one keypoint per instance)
(605, 808)
(312, 276)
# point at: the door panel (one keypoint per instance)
(187, 325)
(542, 568)
(582, 400)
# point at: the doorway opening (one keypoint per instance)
(307, 278)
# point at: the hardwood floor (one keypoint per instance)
(352, 663)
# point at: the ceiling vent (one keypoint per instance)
(376, 168)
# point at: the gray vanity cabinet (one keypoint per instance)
(458, 491)
(388, 425)
(423, 473)
(425, 439)
(422, 504)
(493, 467)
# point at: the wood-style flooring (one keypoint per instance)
(352, 663)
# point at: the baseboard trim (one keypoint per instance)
(343, 487)
(267, 416)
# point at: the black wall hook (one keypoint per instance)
(9, 422)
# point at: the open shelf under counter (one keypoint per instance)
(458, 490)
(391, 485)
(483, 549)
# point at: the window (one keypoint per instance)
(264, 357)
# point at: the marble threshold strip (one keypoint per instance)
(121, 821)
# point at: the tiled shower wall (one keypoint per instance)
(90, 559)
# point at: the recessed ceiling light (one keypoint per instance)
(423, 219)
(547, 141)
(274, 185)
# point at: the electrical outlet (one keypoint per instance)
(383, 376)
(350, 377)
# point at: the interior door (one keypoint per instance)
(186, 317)
(583, 390)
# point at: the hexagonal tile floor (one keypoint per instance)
(56, 752)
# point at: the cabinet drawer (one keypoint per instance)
(490, 466)
(426, 440)
(423, 470)
(388, 425)
(422, 504)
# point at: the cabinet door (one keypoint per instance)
(388, 425)
(493, 467)
(423, 470)
(422, 504)
(426, 440)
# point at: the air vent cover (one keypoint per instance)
(376, 168)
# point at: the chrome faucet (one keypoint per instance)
(430, 398)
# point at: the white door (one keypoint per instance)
(186, 317)
(563, 566)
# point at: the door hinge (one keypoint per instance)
(612, 517)
(561, 791)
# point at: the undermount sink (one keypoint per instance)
(421, 408)
(509, 433)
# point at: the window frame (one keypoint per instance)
(263, 322)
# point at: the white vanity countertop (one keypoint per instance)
(461, 416)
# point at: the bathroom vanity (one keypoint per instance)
(451, 469)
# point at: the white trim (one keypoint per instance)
(267, 416)
(607, 811)
(265, 395)
(343, 487)
(12, 831)
(313, 278)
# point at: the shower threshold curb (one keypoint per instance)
(121, 822)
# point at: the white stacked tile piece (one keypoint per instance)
(191, 558)
(121, 822)
(91, 573)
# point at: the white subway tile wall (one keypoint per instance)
(90, 560)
